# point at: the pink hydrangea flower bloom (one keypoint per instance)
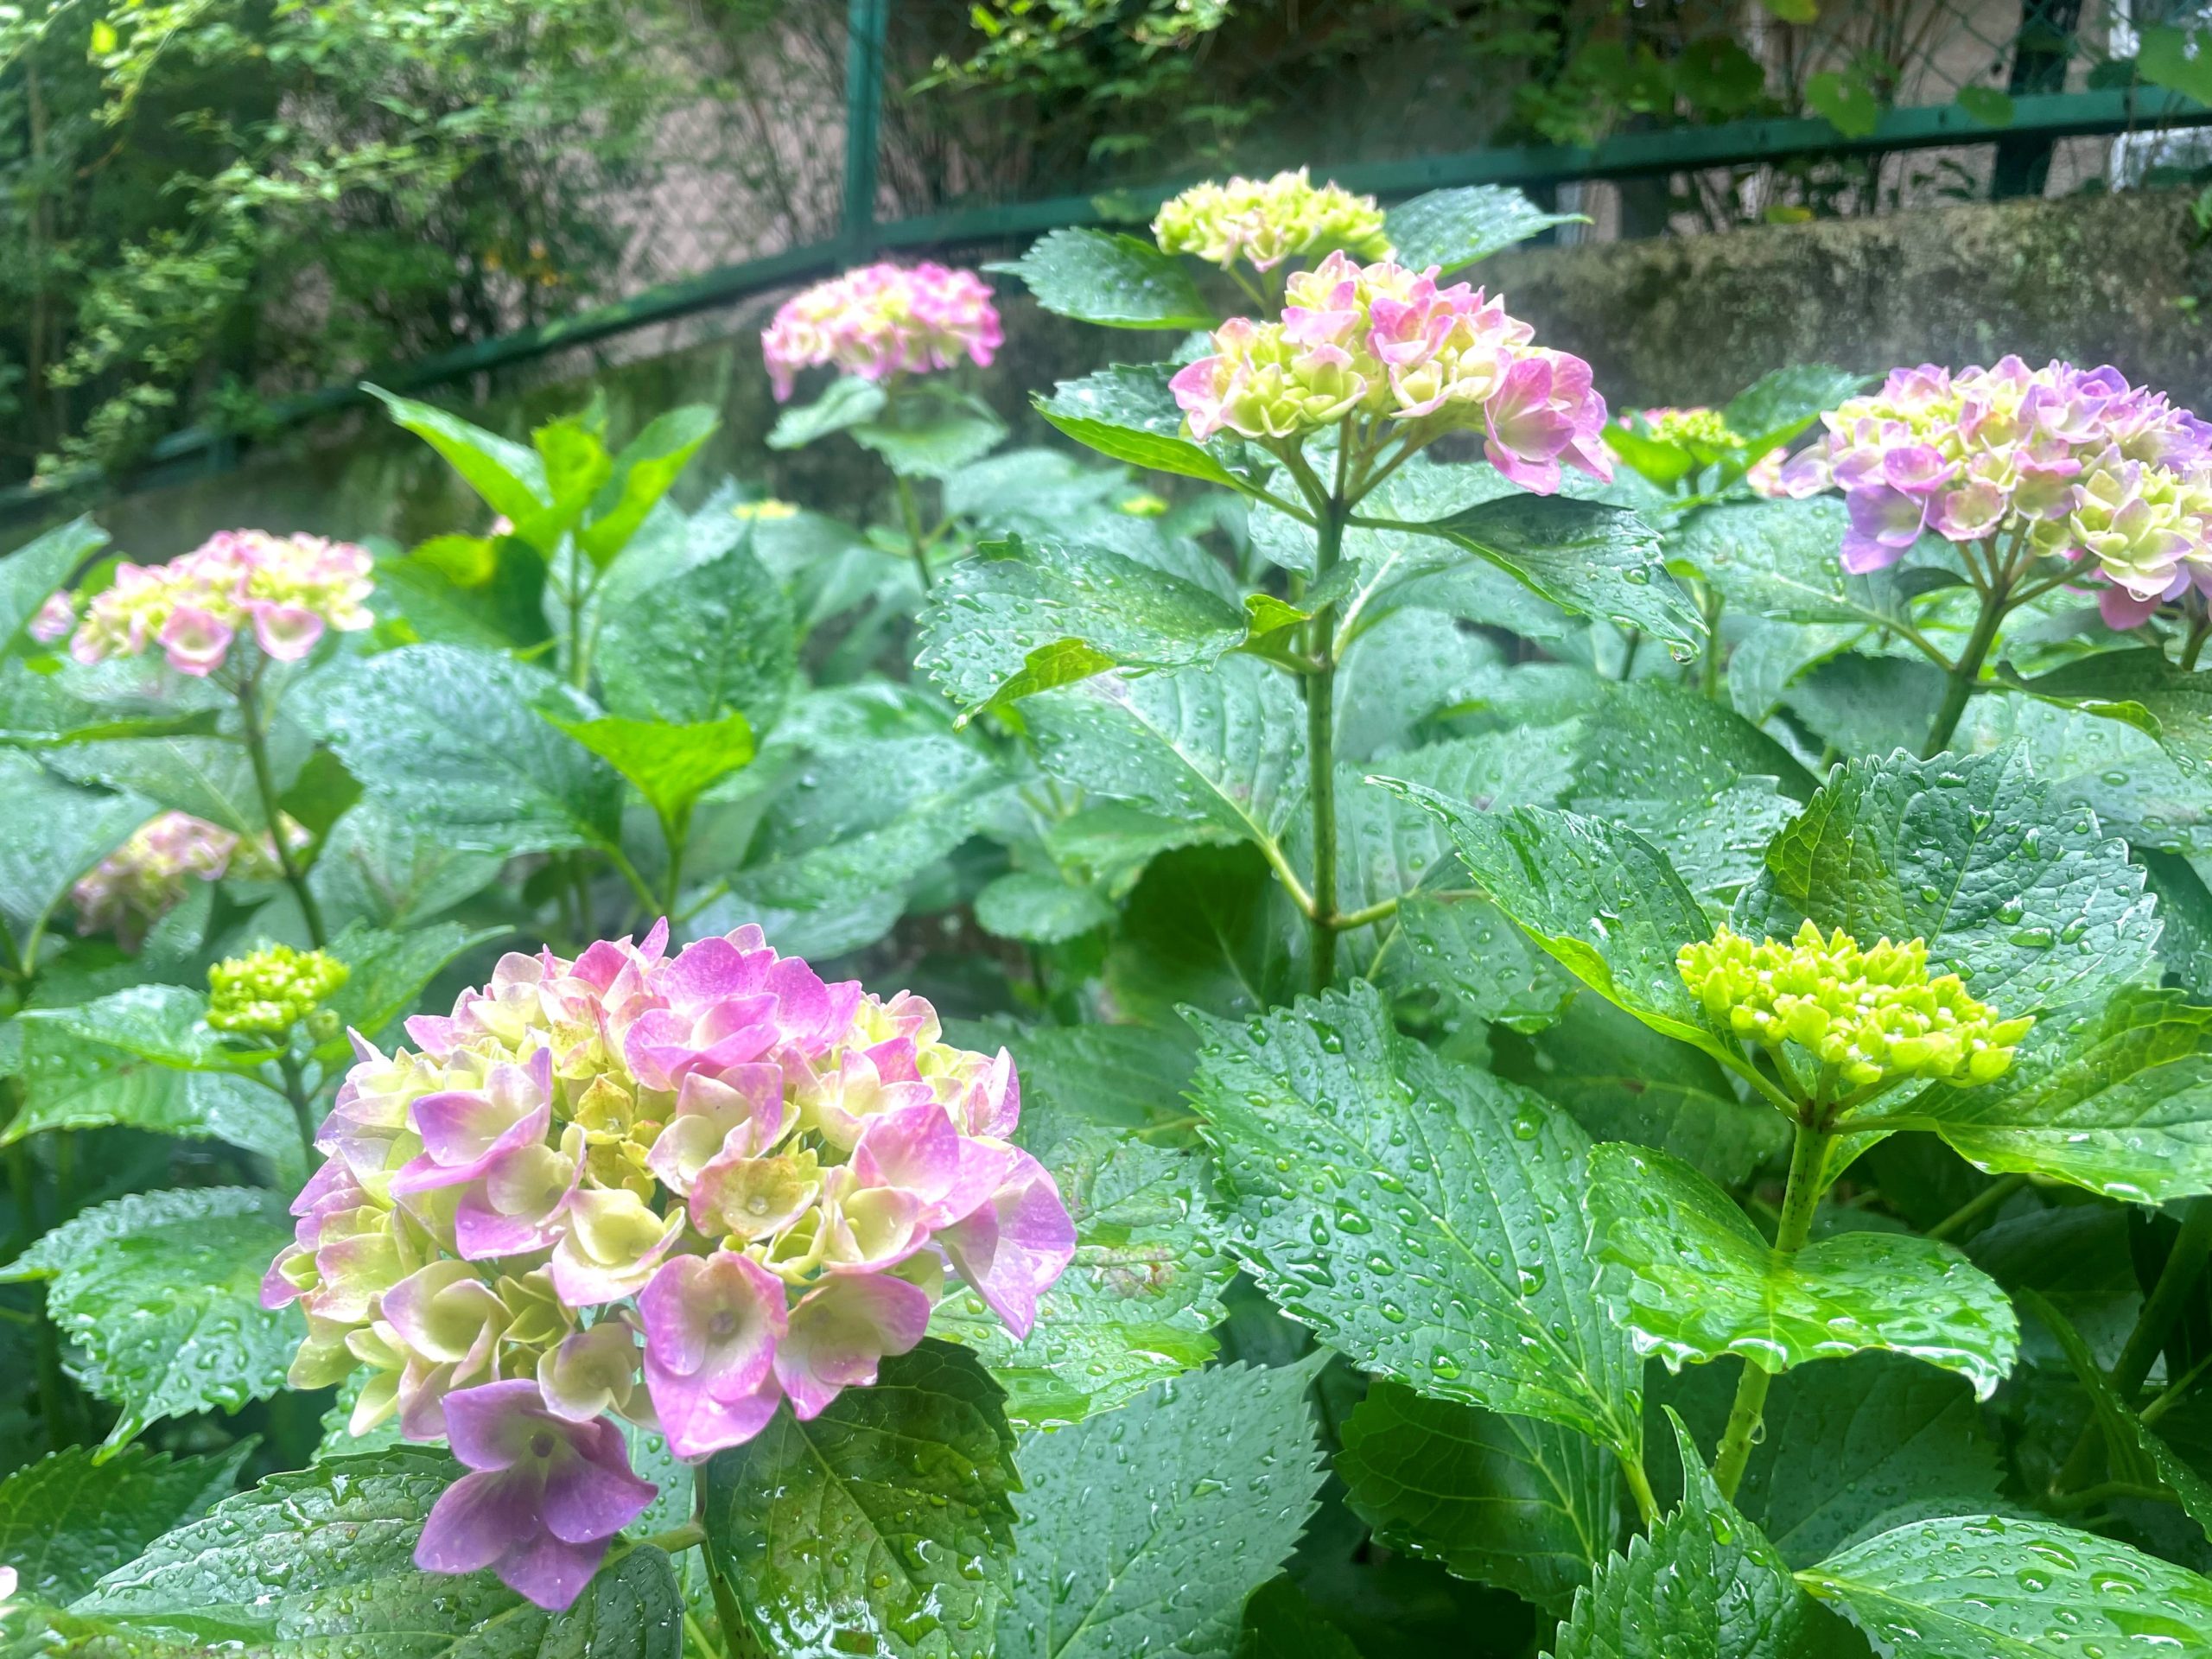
(285, 590)
(55, 618)
(543, 1497)
(1386, 344)
(2071, 463)
(882, 320)
(141, 880)
(688, 1190)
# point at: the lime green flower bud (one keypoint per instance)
(1872, 1014)
(268, 993)
(1265, 221)
(1704, 428)
(1143, 505)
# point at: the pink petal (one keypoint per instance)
(839, 1334)
(476, 1521)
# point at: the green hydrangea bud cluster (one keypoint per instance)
(1705, 427)
(1266, 221)
(1874, 1015)
(268, 993)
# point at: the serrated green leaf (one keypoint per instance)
(1768, 660)
(2185, 918)
(2117, 1098)
(34, 571)
(1783, 559)
(161, 1294)
(1022, 617)
(449, 739)
(1688, 1274)
(1592, 559)
(1279, 1622)
(1209, 927)
(484, 592)
(67, 1520)
(671, 765)
(1143, 1532)
(210, 778)
(1717, 844)
(1461, 945)
(324, 1558)
(1625, 1082)
(1776, 407)
(845, 402)
(386, 972)
(1127, 413)
(1454, 228)
(1528, 1506)
(1038, 909)
(713, 636)
(2142, 688)
(1139, 1302)
(1402, 673)
(2029, 903)
(510, 477)
(1863, 705)
(378, 867)
(1703, 1581)
(1993, 1588)
(50, 834)
(642, 474)
(1421, 1217)
(2118, 772)
(930, 431)
(1224, 746)
(1122, 1076)
(1115, 281)
(882, 1527)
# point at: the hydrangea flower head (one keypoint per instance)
(882, 320)
(144, 879)
(1705, 433)
(1388, 343)
(272, 990)
(287, 590)
(1266, 221)
(55, 621)
(689, 1190)
(1874, 1015)
(2072, 462)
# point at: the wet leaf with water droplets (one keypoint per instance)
(1117, 281)
(1127, 413)
(65, 1520)
(1454, 228)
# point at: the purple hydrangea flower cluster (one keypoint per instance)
(882, 320)
(685, 1190)
(1383, 341)
(2061, 461)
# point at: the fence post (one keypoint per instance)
(866, 23)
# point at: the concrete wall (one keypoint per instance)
(1677, 319)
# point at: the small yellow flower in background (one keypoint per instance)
(769, 508)
(1872, 1014)
(1143, 505)
(268, 993)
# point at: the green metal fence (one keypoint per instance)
(1872, 85)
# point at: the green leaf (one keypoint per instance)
(1023, 617)
(868, 818)
(1209, 926)
(510, 477)
(1420, 1216)
(1592, 559)
(34, 571)
(1144, 1532)
(2173, 56)
(1703, 1581)
(1601, 900)
(1768, 660)
(1123, 1075)
(50, 834)
(67, 1520)
(1783, 559)
(1528, 1506)
(487, 593)
(161, 1294)
(1128, 414)
(883, 1527)
(1038, 909)
(2116, 770)
(2172, 704)
(1453, 228)
(1460, 944)
(712, 638)
(1993, 1587)
(846, 402)
(1224, 746)
(1625, 1082)
(1115, 281)
(387, 974)
(671, 766)
(1847, 102)
(644, 470)
(1692, 1279)
(931, 431)
(1991, 106)
(378, 865)
(2185, 915)
(2028, 902)
(1854, 1447)
(447, 739)
(2116, 1097)
(1139, 1302)
(325, 1558)
(210, 778)
(1864, 705)
(1279, 1622)
(1776, 407)
(1399, 674)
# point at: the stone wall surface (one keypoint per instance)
(1673, 320)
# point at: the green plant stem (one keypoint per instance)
(579, 592)
(1808, 1157)
(676, 835)
(2193, 647)
(1966, 673)
(1709, 601)
(1321, 749)
(1977, 1206)
(295, 1091)
(1639, 1486)
(918, 544)
(265, 783)
(2177, 1281)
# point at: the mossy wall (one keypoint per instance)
(1688, 319)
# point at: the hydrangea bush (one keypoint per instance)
(1368, 1008)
